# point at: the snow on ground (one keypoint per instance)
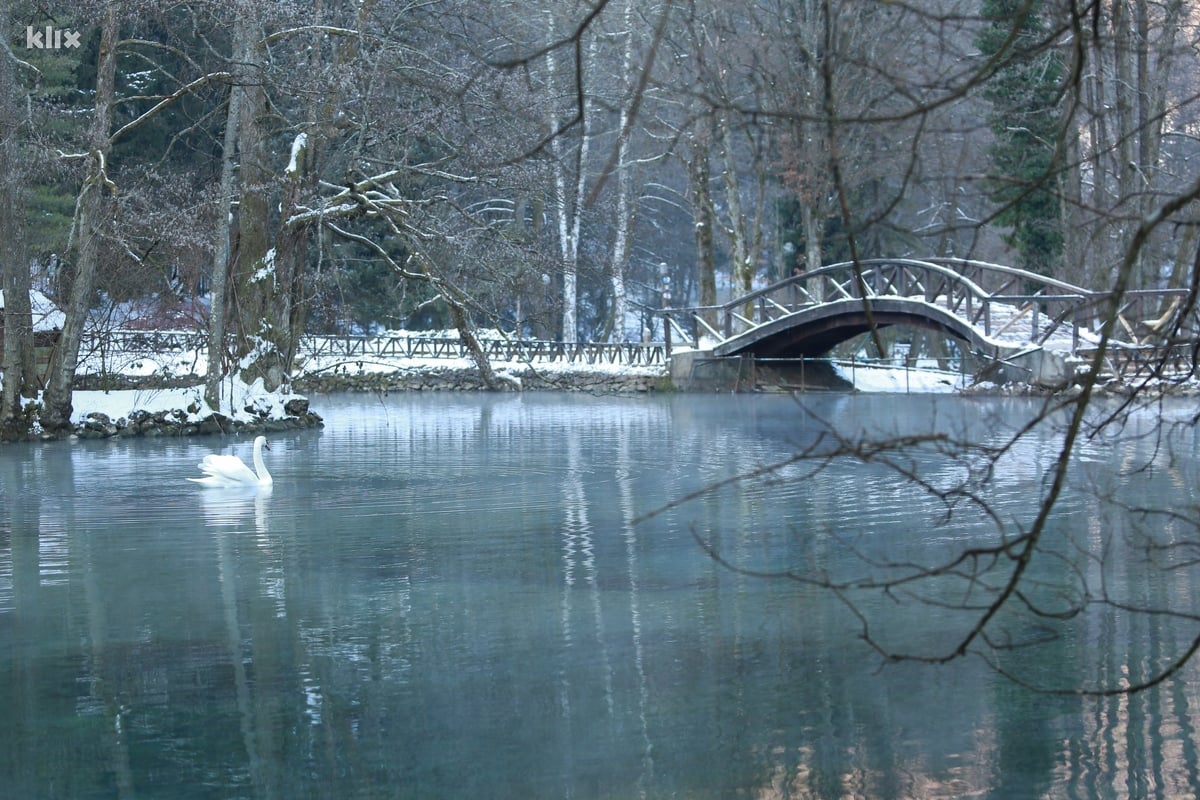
(376, 365)
(46, 315)
(236, 396)
(883, 379)
(192, 362)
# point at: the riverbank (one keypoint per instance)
(157, 404)
(166, 403)
(458, 378)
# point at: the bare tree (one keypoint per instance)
(571, 164)
(1127, 106)
(1011, 582)
(94, 207)
(18, 356)
(93, 227)
(217, 322)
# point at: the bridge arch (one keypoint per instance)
(1003, 312)
(996, 309)
(812, 332)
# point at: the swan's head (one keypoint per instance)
(262, 441)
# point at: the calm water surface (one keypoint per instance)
(449, 597)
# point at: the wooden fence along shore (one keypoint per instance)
(1125, 363)
(1005, 305)
(633, 354)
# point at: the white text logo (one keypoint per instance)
(50, 39)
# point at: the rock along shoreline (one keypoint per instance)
(297, 414)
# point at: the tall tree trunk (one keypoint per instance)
(743, 266)
(702, 208)
(1155, 69)
(623, 223)
(18, 364)
(1105, 249)
(1126, 101)
(222, 265)
(814, 235)
(255, 280)
(288, 305)
(89, 226)
(570, 183)
(1075, 241)
(1135, 62)
(300, 180)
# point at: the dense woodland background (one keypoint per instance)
(336, 166)
(258, 170)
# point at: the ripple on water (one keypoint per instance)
(445, 596)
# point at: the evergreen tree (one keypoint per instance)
(1026, 120)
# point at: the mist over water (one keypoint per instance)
(449, 596)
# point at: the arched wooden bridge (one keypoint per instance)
(997, 310)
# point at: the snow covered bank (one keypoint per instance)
(126, 393)
(184, 412)
(460, 375)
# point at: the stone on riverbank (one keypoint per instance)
(466, 379)
(178, 422)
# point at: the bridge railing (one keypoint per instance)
(1130, 365)
(1002, 302)
(924, 281)
(402, 347)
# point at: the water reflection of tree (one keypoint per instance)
(1096, 624)
(1006, 566)
(1083, 607)
(19, 692)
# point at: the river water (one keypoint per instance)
(459, 596)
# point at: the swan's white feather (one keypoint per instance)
(225, 471)
(230, 471)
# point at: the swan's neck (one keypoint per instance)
(260, 466)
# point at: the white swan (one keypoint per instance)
(225, 472)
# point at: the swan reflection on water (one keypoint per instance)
(232, 507)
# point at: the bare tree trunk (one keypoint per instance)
(288, 304)
(1075, 243)
(89, 224)
(1126, 90)
(1126, 102)
(300, 180)
(1104, 248)
(569, 191)
(18, 364)
(702, 209)
(461, 317)
(620, 258)
(222, 265)
(255, 279)
(1154, 71)
(813, 236)
(743, 266)
(623, 224)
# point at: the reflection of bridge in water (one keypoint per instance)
(1004, 314)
